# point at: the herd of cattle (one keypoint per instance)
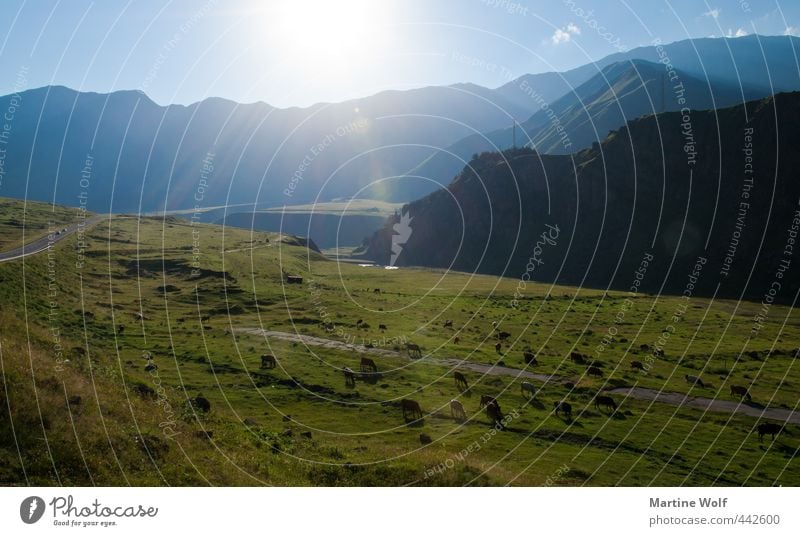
(412, 411)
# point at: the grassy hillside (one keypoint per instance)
(181, 294)
(32, 218)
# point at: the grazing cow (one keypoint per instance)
(486, 400)
(349, 377)
(377, 291)
(382, 327)
(530, 358)
(528, 390)
(563, 407)
(461, 381)
(503, 335)
(268, 361)
(413, 350)
(498, 348)
(741, 392)
(644, 347)
(637, 365)
(577, 358)
(457, 411)
(368, 365)
(294, 279)
(768, 428)
(359, 322)
(201, 403)
(448, 323)
(606, 401)
(594, 371)
(694, 380)
(455, 340)
(495, 414)
(150, 367)
(411, 410)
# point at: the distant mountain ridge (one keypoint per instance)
(637, 193)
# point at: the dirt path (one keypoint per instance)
(640, 393)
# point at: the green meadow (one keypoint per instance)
(179, 296)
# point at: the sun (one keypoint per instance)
(328, 33)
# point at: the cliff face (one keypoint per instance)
(719, 186)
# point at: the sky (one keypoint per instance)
(299, 52)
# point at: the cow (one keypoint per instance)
(528, 390)
(368, 365)
(150, 367)
(694, 380)
(448, 323)
(637, 365)
(413, 350)
(495, 415)
(594, 371)
(503, 335)
(294, 279)
(201, 403)
(349, 377)
(486, 400)
(74, 400)
(529, 358)
(457, 411)
(120, 329)
(268, 361)
(461, 381)
(382, 327)
(606, 401)
(498, 348)
(768, 428)
(411, 410)
(377, 291)
(740, 392)
(564, 407)
(577, 358)
(455, 340)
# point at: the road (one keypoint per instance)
(640, 393)
(41, 244)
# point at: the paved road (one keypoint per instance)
(41, 244)
(641, 393)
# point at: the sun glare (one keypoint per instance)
(328, 33)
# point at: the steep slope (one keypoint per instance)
(661, 186)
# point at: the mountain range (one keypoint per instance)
(122, 152)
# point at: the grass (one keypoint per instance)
(30, 219)
(139, 275)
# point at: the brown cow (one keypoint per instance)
(448, 323)
(268, 361)
(503, 335)
(455, 340)
(486, 400)
(411, 410)
(577, 358)
(768, 428)
(637, 365)
(741, 392)
(349, 377)
(457, 411)
(528, 390)
(594, 371)
(368, 365)
(564, 407)
(413, 350)
(461, 381)
(529, 358)
(495, 415)
(606, 401)
(694, 380)
(498, 348)
(382, 327)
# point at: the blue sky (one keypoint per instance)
(295, 53)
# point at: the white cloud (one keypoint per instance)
(791, 30)
(564, 35)
(713, 13)
(740, 32)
